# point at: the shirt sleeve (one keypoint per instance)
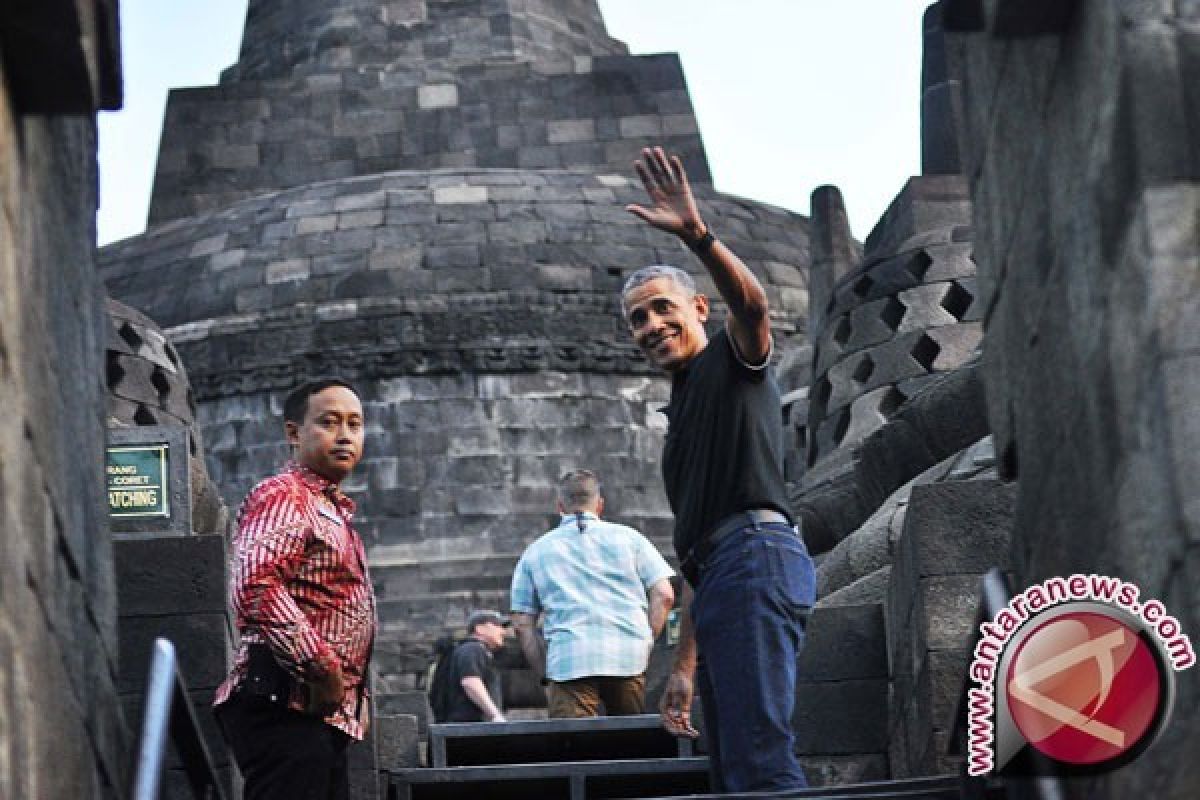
(523, 596)
(271, 542)
(754, 372)
(652, 567)
(470, 660)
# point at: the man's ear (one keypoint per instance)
(292, 431)
(600, 506)
(560, 507)
(700, 302)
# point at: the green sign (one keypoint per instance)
(137, 481)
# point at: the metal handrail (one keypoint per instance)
(1045, 783)
(169, 715)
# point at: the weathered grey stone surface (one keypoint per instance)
(953, 532)
(396, 741)
(175, 587)
(945, 414)
(906, 312)
(325, 91)
(148, 386)
(1087, 250)
(63, 733)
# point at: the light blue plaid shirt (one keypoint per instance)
(591, 585)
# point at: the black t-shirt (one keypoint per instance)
(471, 658)
(724, 450)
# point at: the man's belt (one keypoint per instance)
(734, 522)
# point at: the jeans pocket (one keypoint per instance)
(791, 572)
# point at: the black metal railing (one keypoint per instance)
(169, 717)
(1042, 782)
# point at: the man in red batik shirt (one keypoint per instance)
(305, 610)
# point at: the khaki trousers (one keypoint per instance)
(583, 697)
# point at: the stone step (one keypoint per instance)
(842, 686)
(552, 740)
(565, 780)
(942, 787)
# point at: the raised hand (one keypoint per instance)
(673, 208)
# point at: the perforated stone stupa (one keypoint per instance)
(426, 197)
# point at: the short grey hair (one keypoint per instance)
(578, 489)
(653, 272)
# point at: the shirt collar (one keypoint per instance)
(321, 485)
(570, 518)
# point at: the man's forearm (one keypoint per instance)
(532, 643)
(478, 694)
(737, 285)
(660, 599)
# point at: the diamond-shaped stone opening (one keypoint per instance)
(131, 336)
(841, 334)
(918, 265)
(893, 313)
(864, 369)
(161, 384)
(926, 351)
(841, 426)
(192, 448)
(892, 399)
(143, 416)
(811, 458)
(957, 300)
(113, 371)
(862, 286)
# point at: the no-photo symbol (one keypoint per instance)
(1084, 688)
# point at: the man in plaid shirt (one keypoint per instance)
(305, 610)
(605, 592)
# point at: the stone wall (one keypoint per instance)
(314, 36)
(1082, 145)
(225, 143)
(62, 733)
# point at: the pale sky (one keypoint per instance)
(790, 94)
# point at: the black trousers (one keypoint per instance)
(283, 754)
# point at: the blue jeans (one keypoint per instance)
(748, 613)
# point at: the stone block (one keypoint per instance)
(362, 201)
(414, 704)
(570, 130)
(844, 643)
(227, 259)
(201, 644)
(397, 740)
(359, 219)
(845, 770)
(959, 527)
(460, 194)
(171, 575)
(947, 607)
(841, 717)
(209, 245)
(292, 269)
